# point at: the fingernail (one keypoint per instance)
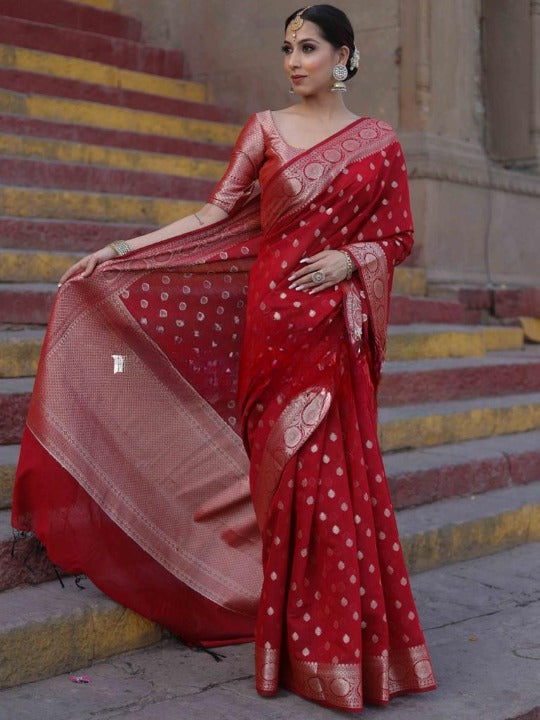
(59, 284)
(304, 260)
(291, 277)
(299, 287)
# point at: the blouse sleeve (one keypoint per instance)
(236, 186)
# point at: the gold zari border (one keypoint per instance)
(374, 679)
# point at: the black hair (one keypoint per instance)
(334, 25)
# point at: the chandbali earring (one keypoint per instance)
(291, 90)
(340, 74)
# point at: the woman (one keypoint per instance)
(132, 468)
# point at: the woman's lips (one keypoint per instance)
(297, 78)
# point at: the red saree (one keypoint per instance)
(163, 368)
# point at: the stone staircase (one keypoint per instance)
(102, 138)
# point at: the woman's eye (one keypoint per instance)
(308, 48)
(286, 49)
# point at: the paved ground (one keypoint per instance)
(482, 622)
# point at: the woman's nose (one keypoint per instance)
(294, 59)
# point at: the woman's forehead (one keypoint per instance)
(309, 30)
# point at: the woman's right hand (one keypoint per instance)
(88, 264)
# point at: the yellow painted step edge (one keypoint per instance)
(80, 112)
(99, 4)
(19, 358)
(7, 476)
(93, 631)
(475, 538)
(442, 429)
(409, 281)
(64, 204)
(452, 343)
(90, 71)
(110, 157)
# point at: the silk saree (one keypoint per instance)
(202, 441)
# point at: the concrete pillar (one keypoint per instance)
(535, 61)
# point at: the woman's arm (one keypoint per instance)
(232, 191)
(207, 215)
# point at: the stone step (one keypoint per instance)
(63, 235)
(19, 352)
(31, 302)
(95, 114)
(68, 628)
(429, 424)
(451, 378)
(29, 172)
(63, 13)
(80, 43)
(46, 266)
(9, 455)
(501, 302)
(408, 310)
(20, 348)
(75, 154)
(34, 84)
(23, 560)
(101, 4)
(127, 139)
(417, 476)
(476, 614)
(14, 400)
(491, 376)
(106, 207)
(423, 341)
(471, 467)
(87, 76)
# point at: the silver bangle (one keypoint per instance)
(350, 265)
(120, 247)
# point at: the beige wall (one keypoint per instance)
(421, 70)
(235, 46)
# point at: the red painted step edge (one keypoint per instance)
(458, 383)
(407, 309)
(504, 303)
(470, 477)
(119, 52)
(71, 235)
(34, 308)
(25, 172)
(27, 83)
(114, 138)
(62, 13)
(508, 379)
(29, 308)
(23, 560)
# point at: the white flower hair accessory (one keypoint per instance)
(354, 62)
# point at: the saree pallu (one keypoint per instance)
(164, 367)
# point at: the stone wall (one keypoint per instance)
(424, 70)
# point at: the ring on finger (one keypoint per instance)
(318, 277)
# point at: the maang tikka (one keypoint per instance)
(297, 21)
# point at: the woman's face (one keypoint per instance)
(309, 59)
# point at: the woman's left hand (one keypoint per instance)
(332, 266)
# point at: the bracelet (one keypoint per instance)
(120, 247)
(350, 265)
